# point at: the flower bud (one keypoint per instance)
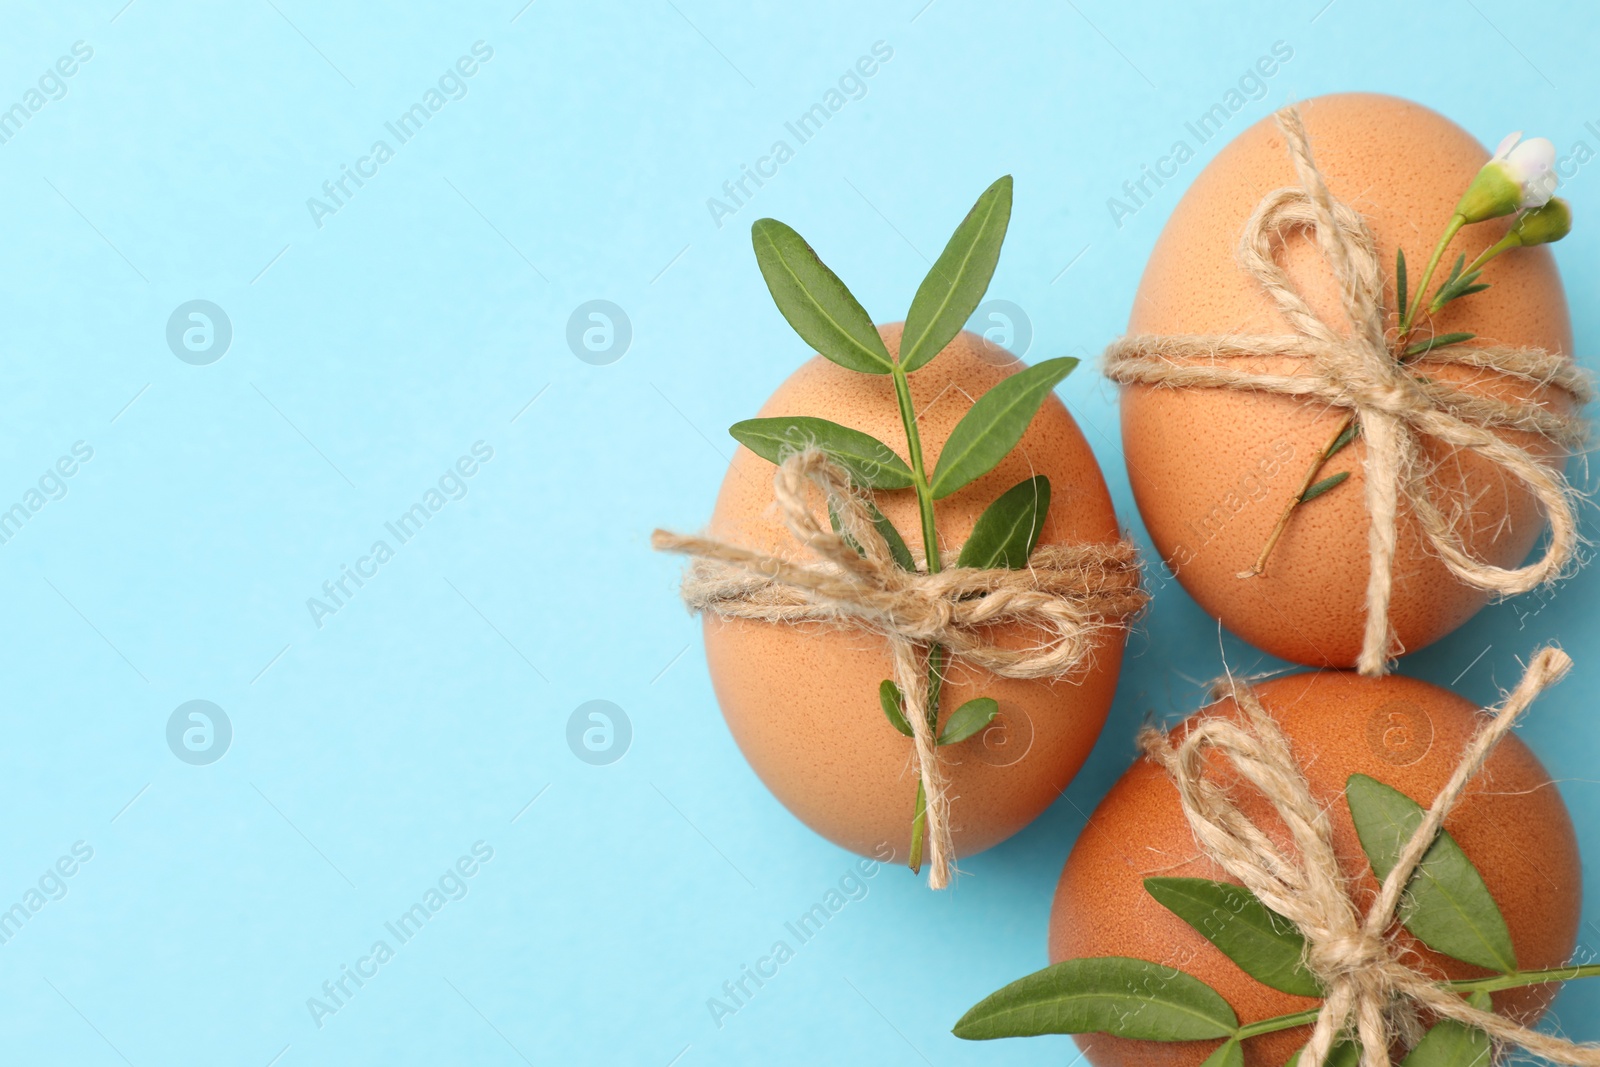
(1521, 175)
(1542, 225)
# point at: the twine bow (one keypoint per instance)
(1070, 596)
(1396, 408)
(1371, 996)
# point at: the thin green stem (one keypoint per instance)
(936, 658)
(1281, 1022)
(1282, 524)
(908, 418)
(930, 548)
(1492, 984)
(1456, 222)
(1510, 240)
(1517, 979)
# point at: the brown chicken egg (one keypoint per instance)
(1212, 469)
(1408, 734)
(802, 701)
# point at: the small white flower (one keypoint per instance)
(1521, 175)
(1531, 164)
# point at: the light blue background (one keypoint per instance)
(370, 353)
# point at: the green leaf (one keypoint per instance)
(816, 303)
(1110, 995)
(1437, 341)
(1400, 279)
(1229, 1054)
(871, 463)
(1263, 943)
(1007, 531)
(1447, 906)
(1450, 1044)
(968, 719)
(897, 544)
(919, 824)
(1456, 288)
(893, 706)
(1455, 272)
(1343, 1054)
(1351, 432)
(955, 285)
(1469, 290)
(994, 425)
(1330, 482)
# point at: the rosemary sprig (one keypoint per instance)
(1498, 189)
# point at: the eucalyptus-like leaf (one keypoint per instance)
(1447, 905)
(1437, 341)
(871, 463)
(919, 826)
(1330, 482)
(958, 279)
(968, 719)
(1400, 279)
(891, 536)
(1351, 432)
(1107, 995)
(1452, 1044)
(1007, 531)
(1343, 1054)
(816, 303)
(893, 706)
(1264, 944)
(1228, 1054)
(994, 425)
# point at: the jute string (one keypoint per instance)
(1395, 406)
(1069, 597)
(1371, 995)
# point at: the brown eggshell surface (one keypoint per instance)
(802, 701)
(1511, 823)
(1212, 469)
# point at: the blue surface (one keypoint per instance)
(378, 340)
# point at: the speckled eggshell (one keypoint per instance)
(802, 701)
(1511, 823)
(1212, 469)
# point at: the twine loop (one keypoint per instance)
(1068, 598)
(1371, 996)
(1352, 365)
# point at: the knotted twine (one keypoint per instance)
(1395, 407)
(1069, 596)
(1370, 995)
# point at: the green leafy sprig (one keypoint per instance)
(1549, 221)
(828, 317)
(1446, 906)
